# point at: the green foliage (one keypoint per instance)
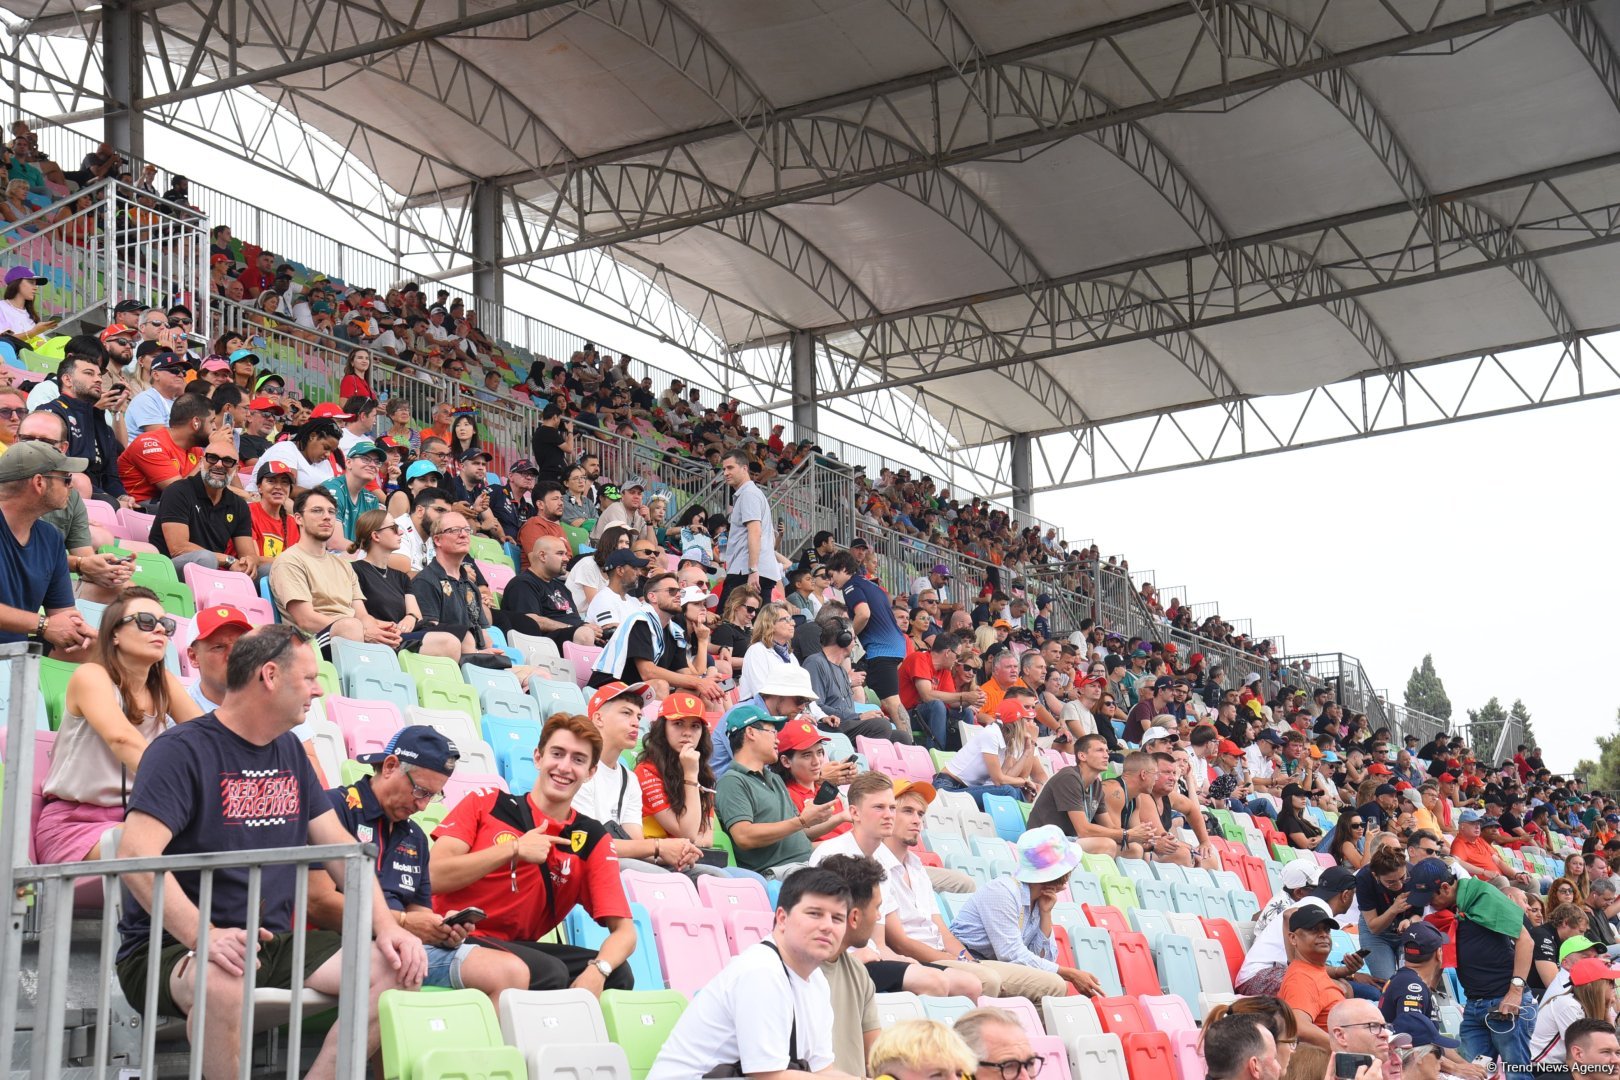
(1485, 728)
(1604, 773)
(1425, 692)
(1522, 715)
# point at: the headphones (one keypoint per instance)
(846, 636)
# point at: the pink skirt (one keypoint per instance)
(66, 831)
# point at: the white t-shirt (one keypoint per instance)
(411, 544)
(846, 845)
(1074, 712)
(1267, 949)
(608, 608)
(308, 475)
(14, 320)
(969, 766)
(147, 409)
(746, 1015)
(599, 797)
(585, 572)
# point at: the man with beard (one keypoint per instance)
(158, 459)
(83, 405)
(644, 650)
(201, 522)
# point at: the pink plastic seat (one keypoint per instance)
(880, 754)
(460, 785)
(212, 587)
(1168, 1012)
(1021, 1007)
(134, 525)
(366, 725)
(1056, 1055)
(103, 514)
(498, 576)
(745, 928)
(659, 890)
(725, 894)
(1189, 1061)
(583, 657)
(914, 762)
(691, 944)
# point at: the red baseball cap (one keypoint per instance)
(116, 330)
(328, 410)
(1379, 770)
(1011, 710)
(211, 620)
(269, 405)
(1227, 746)
(798, 735)
(615, 690)
(681, 705)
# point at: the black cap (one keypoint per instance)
(1334, 880)
(625, 557)
(1310, 917)
(129, 305)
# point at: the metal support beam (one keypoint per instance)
(123, 58)
(803, 360)
(1023, 473)
(487, 230)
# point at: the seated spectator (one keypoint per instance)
(697, 623)
(1307, 987)
(999, 1043)
(196, 792)
(1591, 1047)
(116, 705)
(218, 628)
(307, 450)
(36, 594)
(83, 407)
(752, 801)
(753, 1019)
(1266, 960)
(672, 767)
(928, 690)
(871, 812)
(737, 614)
(352, 492)
(515, 504)
(258, 424)
(644, 650)
(620, 508)
(538, 602)
(1074, 800)
(316, 589)
(921, 1050)
(767, 649)
(614, 603)
(587, 575)
(1165, 803)
(801, 762)
(387, 589)
(1355, 1027)
(150, 408)
(1003, 677)
(830, 677)
(612, 795)
(453, 596)
(999, 758)
(504, 853)
(274, 528)
(102, 577)
(546, 519)
(1476, 853)
(470, 489)
(361, 411)
(1293, 822)
(425, 504)
(409, 773)
(578, 505)
(201, 522)
(1009, 919)
(169, 452)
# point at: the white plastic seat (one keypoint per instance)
(537, 1020)
(898, 1006)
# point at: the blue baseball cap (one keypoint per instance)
(1421, 941)
(419, 746)
(1422, 1031)
(1423, 878)
(423, 467)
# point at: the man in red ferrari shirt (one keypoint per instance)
(526, 860)
(163, 455)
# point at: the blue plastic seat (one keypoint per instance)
(584, 932)
(1178, 968)
(1005, 815)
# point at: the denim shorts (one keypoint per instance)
(444, 965)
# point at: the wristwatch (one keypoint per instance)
(603, 966)
(1516, 982)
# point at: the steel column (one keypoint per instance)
(1023, 473)
(803, 369)
(122, 59)
(488, 279)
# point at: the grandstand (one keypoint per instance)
(913, 332)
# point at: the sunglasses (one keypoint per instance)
(214, 459)
(146, 622)
(9, 413)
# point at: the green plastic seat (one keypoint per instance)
(640, 1021)
(426, 668)
(444, 1035)
(486, 549)
(53, 680)
(1101, 865)
(152, 569)
(444, 694)
(176, 598)
(578, 537)
(329, 678)
(352, 772)
(430, 817)
(1119, 892)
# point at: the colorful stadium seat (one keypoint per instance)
(1137, 973)
(639, 1021)
(443, 1035)
(366, 725)
(692, 944)
(897, 1006)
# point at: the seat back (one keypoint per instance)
(745, 927)
(1094, 952)
(1109, 918)
(1024, 1009)
(554, 696)
(1055, 1055)
(351, 657)
(1070, 1017)
(531, 1019)
(457, 727)
(534, 647)
(1148, 1056)
(330, 748)
(639, 1021)
(1121, 1015)
(691, 944)
(660, 890)
(1177, 969)
(422, 668)
(879, 753)
(1155, 895)
(1189, 1056)
(447, 694)
(502, 700)
(1097, 1057)
(946, 1009)
(513, 739)
(211, 587)
(1150, 924)
(582, 657)
(898, 1006)
(915, 762)
(579, 1061)
(645, 965)
(1215, 972)
(725, 894)
(1086, 888)
(1119, 893)
(460, 785)
(1137, 973)
(1188, 926)
(1004, 813)
(413, 1023)
(366, 725)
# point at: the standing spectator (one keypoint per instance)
(316, 589)
(115, 706)
(1010, 919)
(1411, 990)
(352, 493)
(751, 539)
(83, 407)
(1494, 953)
(503, 853)
(36, 594)
(829, 677)
(201, 522)
(769, 1013)
(411, 771)
(553, 443)
(872, 619)
(150, 408)
(752, 802)
(199, 790)
(274, 529)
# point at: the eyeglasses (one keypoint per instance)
(40, 438)
(1013, 1068)
(459, 531)
(1373, 1026)
(214, 459)
(422, 794)
(12, 414)
(146, 622)
(386, 528)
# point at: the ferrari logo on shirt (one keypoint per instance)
(229, 518)
(576, 840)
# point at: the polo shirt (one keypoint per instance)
(350, 509)
(33, 575)
(151, 459)
(993, 696)
(920, 665)
(1477, 852)
(402, 848)
(743, 795)
(1310, 989)
(523, 902)
(211, 525)
(881, 637)
(1407, 992)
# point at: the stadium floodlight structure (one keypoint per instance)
(1044, 243)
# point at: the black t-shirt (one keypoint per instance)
(384, 590)
(731, 636)
(447, 601)
(217, 792)
(1407, 992)
(1510, 823)
(640, 647)
(251, 447)
(1370, 892)
(212, 525)
(528, 594)
(1484, 960)
(548, 452)
(1545, 939)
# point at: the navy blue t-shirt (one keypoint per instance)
(216, 791)
(882, 636)
(34, 575)
(402, 848)
(1407, 992)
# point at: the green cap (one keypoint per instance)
(366, 446)
(746, 716)
(1578, 943)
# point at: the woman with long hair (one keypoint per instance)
(1346, 843)
(1589, 995)
(736, 628)
(800, 760)
(1562, 891)
(18, 317)
(1381, 896)
(1575, 873)
(691, 530)
(1000, 758)
(387, 588)
(357, 375)
(1293, 822)
(308, 453)
(463, 435)
(115, 705)
(770, 648)
(677, 783)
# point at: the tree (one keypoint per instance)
(1425, 693)
(1485, 728)
(1522, 715)
(1604, 773)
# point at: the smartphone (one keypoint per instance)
(1345, 1066)
(1361, 954)
(472, 916)
(826, 793)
